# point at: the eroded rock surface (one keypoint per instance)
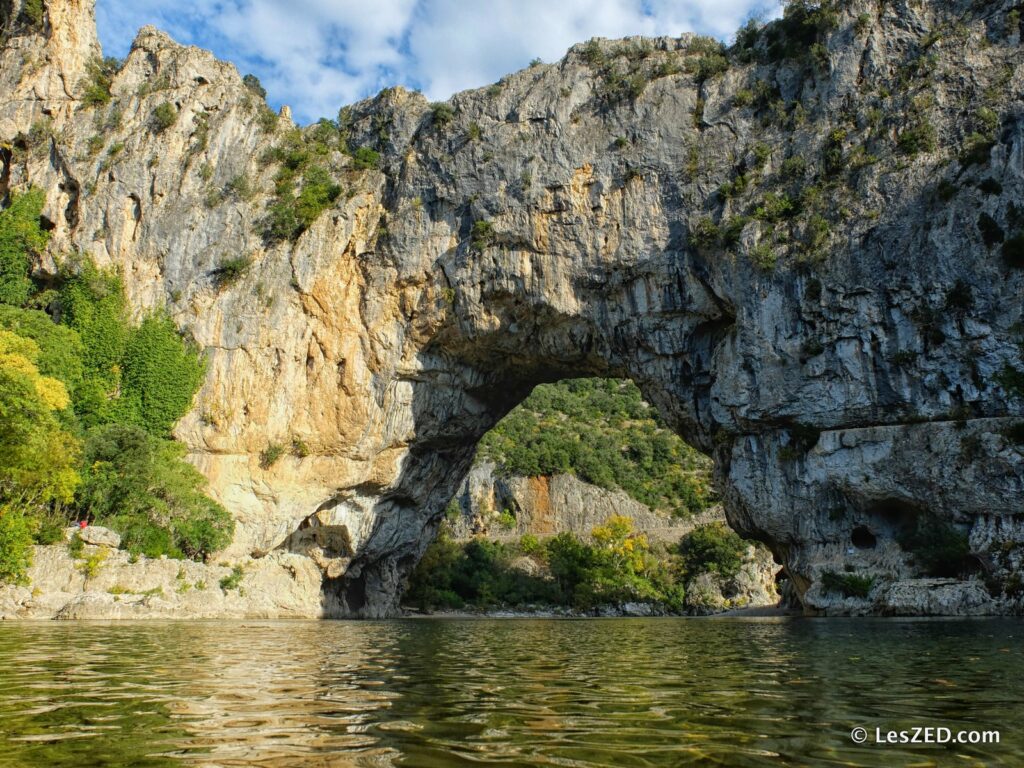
(847, 357)
(551, 504)
(101, 583)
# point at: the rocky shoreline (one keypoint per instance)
(104, 583)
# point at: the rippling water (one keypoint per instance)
(622, 692)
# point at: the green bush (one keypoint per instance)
(744, 97)
(616, 567)
(92, 302)
(160, 375)
(233, 580)
(803, 23)
(918, 138)
(710, 65)
(847, 584)
(705, 233)
(441, 113)
(164, 116)
(479, 573)
(976, 150)
(15, 545)
(37, 453)
(960, 297)
(319, 191)
(482, 235)
(60, 347)
(141, 486)
(96, 84)
(715, 548)
(775, 207)
(946, 190)
(365, 158)
(230, 270)
(292, 214)
(20, 238)
(32, 13)
(269, 456)
(253, 84)
(991, 233)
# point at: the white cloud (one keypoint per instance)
(317, 55)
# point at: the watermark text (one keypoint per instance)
(923, 734)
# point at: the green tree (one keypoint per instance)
(37, 456)
(60, 347)
(140, 486)
(160, 374)
(15, 544)
(92, 302)
(714, 547)
(20, 238)
(602, 431)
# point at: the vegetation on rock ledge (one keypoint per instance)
(602, 431)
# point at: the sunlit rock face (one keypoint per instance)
(839, 331)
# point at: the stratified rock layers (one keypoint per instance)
(840, 332)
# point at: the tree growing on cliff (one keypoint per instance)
(20, 238)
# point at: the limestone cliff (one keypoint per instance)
(806, 255)
(547, 505)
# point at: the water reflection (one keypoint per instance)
(519, 692)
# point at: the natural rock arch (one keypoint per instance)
(772, 265)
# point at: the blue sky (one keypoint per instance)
(317, 55)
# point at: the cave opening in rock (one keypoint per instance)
(588, 460)
(862, 538)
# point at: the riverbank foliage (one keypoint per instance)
(602, 431)
(614, 565)
(88, 400)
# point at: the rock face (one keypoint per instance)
(806, 263)
(551, 504)
(98, 536)
(753, 587)
(109, 584)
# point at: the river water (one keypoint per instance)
(603, 692)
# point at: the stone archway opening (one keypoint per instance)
(584, 460)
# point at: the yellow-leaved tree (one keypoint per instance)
(37, 454)
(627, 550)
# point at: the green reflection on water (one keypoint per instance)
(623, 692)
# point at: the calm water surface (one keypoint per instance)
(622, 692)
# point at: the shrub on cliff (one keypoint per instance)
(20, 238)
(97, 81)
(160, 374)
(164, 116)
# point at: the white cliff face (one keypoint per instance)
(850, 385)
